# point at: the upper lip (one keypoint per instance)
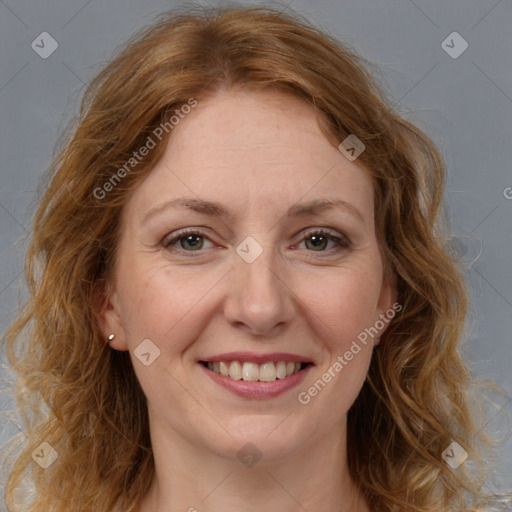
(257, 358)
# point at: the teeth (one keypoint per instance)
(281, 370)
(224, 370)
(235, 370)
(252, 372)
(268, 372)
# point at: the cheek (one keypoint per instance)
(171, 312)
(341, 316)
(158, 304)
(343, 306)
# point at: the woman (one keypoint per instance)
(241, 297)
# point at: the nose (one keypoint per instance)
(259, 299)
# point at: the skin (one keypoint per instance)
(256, 153)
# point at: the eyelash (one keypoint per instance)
(342, 242)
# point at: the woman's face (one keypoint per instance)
(252, 240)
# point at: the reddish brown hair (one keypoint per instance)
(414, 402)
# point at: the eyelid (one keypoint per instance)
(175, 236)
(340, 239)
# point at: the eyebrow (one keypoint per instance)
(320, 205)
(218, 210)
(191, 203)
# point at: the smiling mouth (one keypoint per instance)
(254, 372)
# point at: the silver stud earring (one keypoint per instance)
(111, 337)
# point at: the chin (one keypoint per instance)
(265, 441)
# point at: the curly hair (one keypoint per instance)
(83, 398)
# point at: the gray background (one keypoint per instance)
(464, 104)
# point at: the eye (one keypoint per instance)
(187, 241)
(324, 241)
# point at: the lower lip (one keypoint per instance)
(257, 390)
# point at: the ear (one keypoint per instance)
(387, 306)
(108, 315)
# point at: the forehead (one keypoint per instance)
(237, 126)
(254, 147)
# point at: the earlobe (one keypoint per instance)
(387, 305)
(389, 293)
(108, 316)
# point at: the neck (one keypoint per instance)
(313, 477)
